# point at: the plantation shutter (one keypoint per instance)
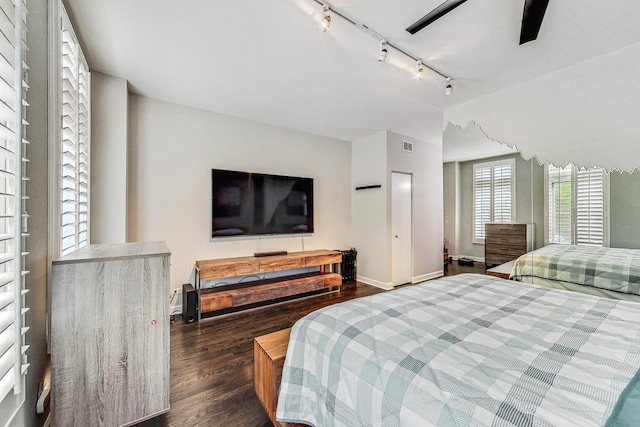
(481, 198)
(13, 217)
(74, 228)
(577, 205)
(83, 154)
(493, 192)
(590, 207)
(502, 192)
(560, 204)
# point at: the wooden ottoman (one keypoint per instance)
(269, 352)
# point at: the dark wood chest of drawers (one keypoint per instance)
(506, 242)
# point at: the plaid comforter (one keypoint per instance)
(613, 269)
(466, 350)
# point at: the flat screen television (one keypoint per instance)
(251, 204)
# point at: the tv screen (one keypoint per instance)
(249, 204)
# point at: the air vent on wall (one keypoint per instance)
(407, 146)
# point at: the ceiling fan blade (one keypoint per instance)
(436, 13)
(532, 19)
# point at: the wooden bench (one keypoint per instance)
(269, 352)
(503, 271)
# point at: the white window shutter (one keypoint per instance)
(83, 153)
(75, 142)
(576, 205)
(13, 217)
(493, 195)
(590, 207)
(503, 182)
(481, 199)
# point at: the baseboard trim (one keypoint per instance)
(376, 283)
(388, 286)
(428, 276)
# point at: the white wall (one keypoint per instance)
(370, 211)
(425, 164)
(585, 114)
(172, 151)
(373, 160)
(109, 106)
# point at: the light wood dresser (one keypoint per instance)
(506, 242)
(110, 335)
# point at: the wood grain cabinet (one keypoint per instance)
(506, 242)
(110, 335)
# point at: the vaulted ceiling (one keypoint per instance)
(269, 61)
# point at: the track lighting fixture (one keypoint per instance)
(325, 23)
(383, 51)
(326, 18)
(419, 70)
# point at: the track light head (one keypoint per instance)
(326, 18)
(448, 89)
(419, 70)
(383, 51)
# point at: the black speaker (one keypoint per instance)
(189, 303)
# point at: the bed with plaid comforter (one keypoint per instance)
(613, 269)
(467, 350)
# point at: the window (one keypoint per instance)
(13, 217)
(69, 142)
(493, 194)
(559, 204)
(577, 206)
(73, 152)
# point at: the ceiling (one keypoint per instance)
(269, 61)
(470, 143)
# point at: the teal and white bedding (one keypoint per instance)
(466, 350)
(612, 269)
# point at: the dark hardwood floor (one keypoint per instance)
(453, 268)
(212, 362)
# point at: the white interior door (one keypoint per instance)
(401, 248)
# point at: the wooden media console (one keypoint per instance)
(223, 298)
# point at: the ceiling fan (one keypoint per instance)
(531, 18)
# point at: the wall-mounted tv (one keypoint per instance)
(250, 204)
